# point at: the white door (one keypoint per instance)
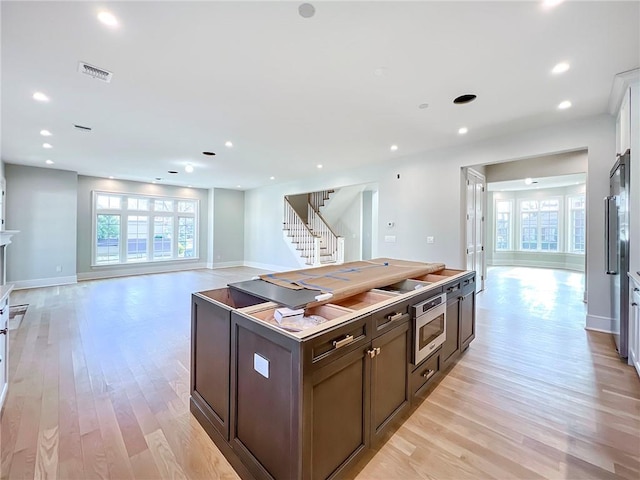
(474, 249)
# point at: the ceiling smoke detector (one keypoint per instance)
(95, 72)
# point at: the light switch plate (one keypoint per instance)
(261, 365)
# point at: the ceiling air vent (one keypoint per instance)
(95, 72)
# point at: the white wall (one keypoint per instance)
(426, 200)
(41, 203)
(228, 227)
(539, 167)
(86, 185)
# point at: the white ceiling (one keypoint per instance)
(337, 89)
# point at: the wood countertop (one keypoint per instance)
(316, 286)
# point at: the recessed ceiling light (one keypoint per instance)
(319, 165)
(560, 68)
(394, 148)
(551, 3)
(49, 162)
(466, 98)
(564, 105)
(110, 177)
(41, 97)
(47, 145)
(272, 178)
(188, 168)
(188, 186)
(108, 19)
(238, 186)
(463, 130)
(45, 133)
(153, 181)
(528, 181)
(228, 144)
(208, 153)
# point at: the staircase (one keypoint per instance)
(312, 237)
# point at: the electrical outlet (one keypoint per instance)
(58, 268)
(430, 239)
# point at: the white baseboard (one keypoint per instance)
(43, 282)
(266, 266)
(140, 270)
(599, 324)
(226, 264)
(535, 263)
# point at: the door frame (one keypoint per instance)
(467, 174)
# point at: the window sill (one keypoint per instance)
(144, 263)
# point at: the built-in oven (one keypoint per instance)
(429, 324)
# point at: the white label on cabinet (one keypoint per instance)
(261, 365)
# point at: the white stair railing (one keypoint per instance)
(317, 199)
(331, 249)
(306, 242)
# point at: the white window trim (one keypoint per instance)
(512, 221)
(151, 213)
(561, 224)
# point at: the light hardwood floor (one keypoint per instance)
(100, 388)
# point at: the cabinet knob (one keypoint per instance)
(372, 353)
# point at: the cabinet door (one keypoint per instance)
(337, 412)
(389, 378)
(467, 319)
(451, 345)
(210, 343)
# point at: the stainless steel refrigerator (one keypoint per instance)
(617, 249)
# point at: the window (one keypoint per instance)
(155, 229)
(503, 224)
(577, 226)
(539, 226)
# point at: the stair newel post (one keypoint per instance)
(316, 251)
(340, 252)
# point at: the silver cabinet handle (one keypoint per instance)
(428, 374)
(341, 343)
(392, 317)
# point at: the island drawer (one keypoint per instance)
(390, 317)
(425, 373)
(337, 342)
(468, 284)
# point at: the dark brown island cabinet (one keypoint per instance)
(317, 403)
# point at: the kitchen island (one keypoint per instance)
(313, 396)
